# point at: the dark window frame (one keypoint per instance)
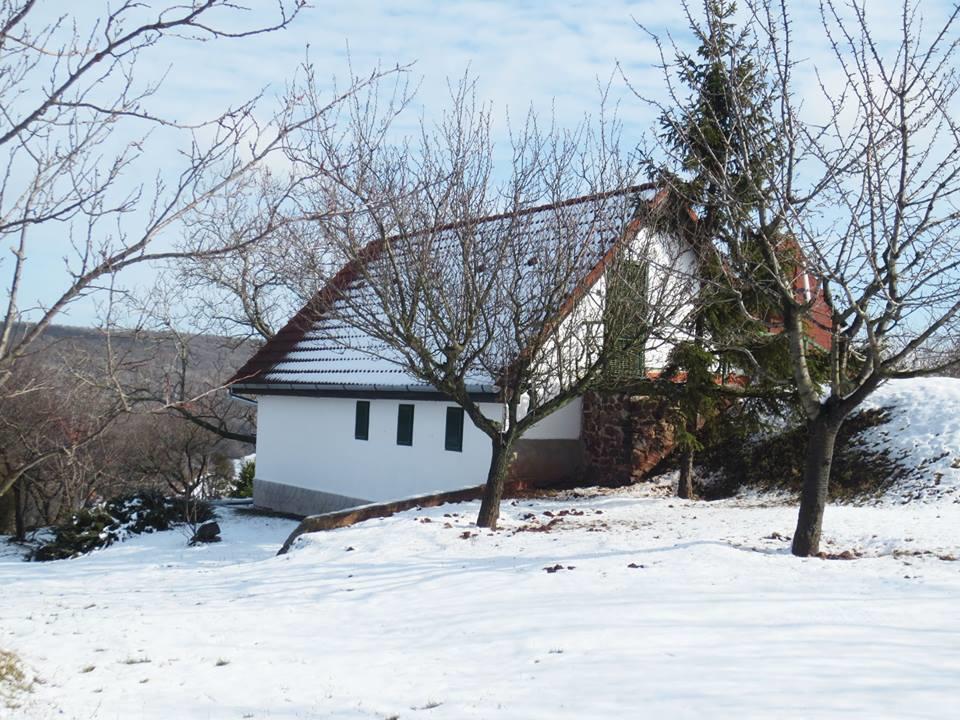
(453, 441)
(405, 416)
(361, 420)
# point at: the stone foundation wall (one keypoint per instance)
(624, 437)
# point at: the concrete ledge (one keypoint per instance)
(344, 518)
(299, 501)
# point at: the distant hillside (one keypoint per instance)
(152, 363)
(210, 358)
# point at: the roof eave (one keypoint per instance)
(477, 391)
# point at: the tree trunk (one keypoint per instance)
(685, 486)
(821, 439)
(19, 500)
(493, 490)
(6, 512)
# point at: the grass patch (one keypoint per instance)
(135, 661)
(13, 679)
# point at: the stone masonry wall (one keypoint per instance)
(624, 437)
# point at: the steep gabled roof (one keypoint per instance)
(315, 353)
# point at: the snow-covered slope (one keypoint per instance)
(631, 604)
(923, 435)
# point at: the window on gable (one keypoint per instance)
(405, 425)
(361, 423)
(453, 435)
(625, 319)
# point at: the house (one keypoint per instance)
(340, 424)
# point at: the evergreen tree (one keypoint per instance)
(721, 155)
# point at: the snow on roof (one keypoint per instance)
(318, 351)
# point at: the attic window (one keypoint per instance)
(405, 424)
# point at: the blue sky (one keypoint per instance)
(547, 55)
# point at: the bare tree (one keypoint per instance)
(44, 429)
(542, 299)
(76, 125)
(179, 456)
(245, 295)
(857, 201)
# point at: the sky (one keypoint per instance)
(552, 57)
(549, 56)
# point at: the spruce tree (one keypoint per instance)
(721, 155)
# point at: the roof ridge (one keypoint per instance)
(442, 227)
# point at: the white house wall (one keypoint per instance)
(564, 424)
(673, 284)
(309, 443)
(672, 268)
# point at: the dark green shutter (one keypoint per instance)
(628, 300)
(405, 425)
(361, 425)
(453, 438)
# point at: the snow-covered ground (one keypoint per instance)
(923, 434)
(597, 604)
(660, 609)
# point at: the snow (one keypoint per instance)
(923, 434)
(405, 617)
(651, 607)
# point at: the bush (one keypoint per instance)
(244, 485)
(775, 462)
(117, 519)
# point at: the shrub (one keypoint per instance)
(775, 462)
(244, 485)
(117, 519)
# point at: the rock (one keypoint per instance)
(206, 533)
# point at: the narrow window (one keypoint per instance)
(405, 425)
(361, 425)
(453, 437)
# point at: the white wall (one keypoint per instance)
(564, 424)
(671, 287)
(308, 442)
